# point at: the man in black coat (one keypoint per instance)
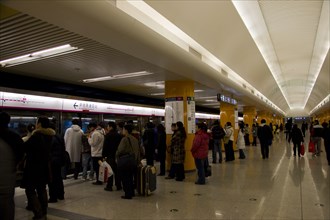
(37, 169)
(110, 146)
(265, 136)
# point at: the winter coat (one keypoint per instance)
(161, 144)
(37, 149)
(7, 169)
(57, 151)
(128, 145)
(96, 141)
(296, 135)
(178, 151)
(229, 133)
(149, 142)
(200, 146)
(217, 132)
(111, 143)
(240, 140)
(73, 144)
(265, 134)
(317, 131)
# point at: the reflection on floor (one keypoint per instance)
(281, 187)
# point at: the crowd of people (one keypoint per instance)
(46, 157)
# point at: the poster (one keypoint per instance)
(191, 128)
(173, 112)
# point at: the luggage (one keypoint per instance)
(146, 180)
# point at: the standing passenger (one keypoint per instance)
(326, 137)
(217, 134)
(199, 151)
(37, 169)
(149, 143)
(11, 153)
(230, 156)
(57, 150)
(110, 146)
(73, 145)
(297, 139)
(265, 136)
(96, 141)
(128, 145)
(317, 134)
(241, 141)
(179, 152)
(170, 150)
(86, 155)
(161, 148)
(30, 128)
(255, 134)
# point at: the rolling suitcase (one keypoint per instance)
(146, 180)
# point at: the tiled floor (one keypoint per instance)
(282, 187)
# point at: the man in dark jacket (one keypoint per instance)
(11, 152)
(149, 143)
(110, 146)
(265, 136)
(217, 134)
(326, 137)
(37, 169)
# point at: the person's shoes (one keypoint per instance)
(220, 161)
(214, 162)
(97, 183)
(198, 183)
(44, 217)
(169, 177)
(180, 180)
(108, 189)
(161, 174)
(60, 197)
(124, 197)
(119, 188)
(52, 200)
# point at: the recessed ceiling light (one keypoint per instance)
(117, 76)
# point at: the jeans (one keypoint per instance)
(200, 170)
(87, 160)
(216, 149)
(317, 142)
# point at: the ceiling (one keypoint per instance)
(280, 78)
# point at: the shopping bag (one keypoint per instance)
(302, 150)
(311, 147)
(105, 171)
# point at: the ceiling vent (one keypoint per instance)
(244, 86)
(224, 73)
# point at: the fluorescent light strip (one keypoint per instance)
(321, 49)
(253, 19)
(117, 76)
(148, 16)
(323, 102)
(39, 55)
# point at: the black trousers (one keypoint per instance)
(162, 158)
(127, 176)
(56, 187)
(96, 167)
(264, 150)
(37, 199)
(229, 151)
(113, 164)
(177, 170)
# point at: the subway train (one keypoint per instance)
(25, 108)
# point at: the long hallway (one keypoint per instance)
(281, 187)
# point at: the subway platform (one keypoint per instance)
(282, 187)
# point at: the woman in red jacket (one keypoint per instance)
(199, 151)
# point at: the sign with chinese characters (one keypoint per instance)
(191, 128)
(173, 112)
(17, 100)
(223, 98)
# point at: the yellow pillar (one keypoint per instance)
(180, 106)
(249, 115)
(227, 114)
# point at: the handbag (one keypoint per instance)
(302, 150)
(311, 147)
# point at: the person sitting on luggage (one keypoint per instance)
(199, 151)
